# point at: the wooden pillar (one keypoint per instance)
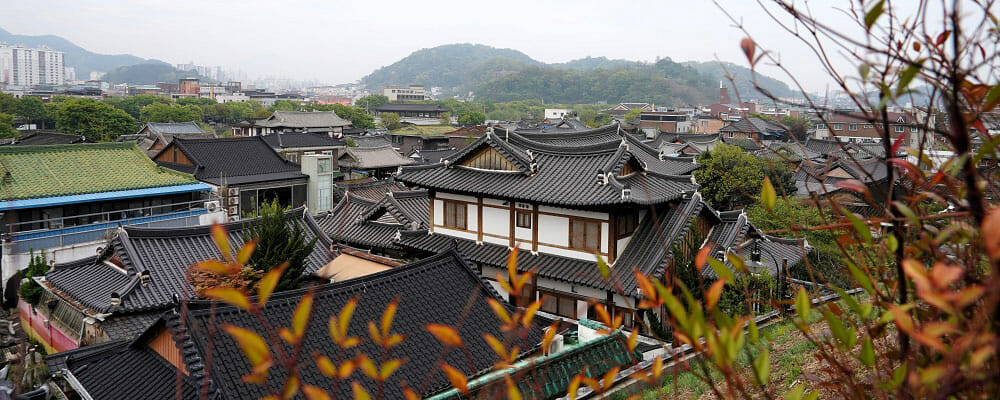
(479, 212)
(612, 238)
(534, 228)
(512, 223)
(430, 224)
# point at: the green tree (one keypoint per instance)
(797, 126)
(160, 112)
(782, 176)
(32, 110)
(30, 291)
(134, 104)
(280, 238)
(371, 102)
(729, 178)
(390, 121)
(358, 117)
(7, 126)
(93, 119)
(632, 114)
(445, 118)
(8, 104)
(472, 118)
(287, 105)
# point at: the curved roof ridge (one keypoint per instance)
(516, 156)
(231, 226)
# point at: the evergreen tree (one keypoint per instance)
(280, 238)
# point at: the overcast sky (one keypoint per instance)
(340, 41)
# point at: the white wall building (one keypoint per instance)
(557, 113)
(399, 93)
(22, 66)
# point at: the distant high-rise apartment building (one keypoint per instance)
(22, 66)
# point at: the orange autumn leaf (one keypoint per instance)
(268, 283)
(713, 294)
(529, 313)
(230, 296)
(221, 239)
(244, 253)
(456, 377)
(359, 392)
(445, 334)
(253, 346)
(315, 393)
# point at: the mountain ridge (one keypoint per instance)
(83, 61)
(502, 74)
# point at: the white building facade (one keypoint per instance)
(22, 66)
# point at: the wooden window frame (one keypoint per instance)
(521, 216)
(454, 217)
(573, 220)
(622, 232)
(542, 294)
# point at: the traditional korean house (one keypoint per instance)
(65, 199)
(413, 112)
(684, 144)
(154, 136)
(368, 188)
(246, 172)
(422, 156)
(292, 146)
(44, 137)
(378, 161)
(754, 128)
(564, 199)
(183, 355)
(322, 122)
(375, 225)
(137, 275)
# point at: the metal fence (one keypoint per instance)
(67, 231)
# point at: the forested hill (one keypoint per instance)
(505, 74)
(82, 60)
(149, 74)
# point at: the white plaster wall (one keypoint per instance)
(452, 196)
(57, 255)
(472, 217)
(495, 202)
(522, 233)
(580, 255)
(502, 242)
(438, 212)
(553, 230)
(496, 221)
(575, 213)
(604, 237)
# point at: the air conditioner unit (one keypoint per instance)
(234, 210)
(233, 192)
(212, 206)
(233, 200)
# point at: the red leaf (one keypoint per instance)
(942, 37)
(749, 48)
(853, 185)
(991, 233)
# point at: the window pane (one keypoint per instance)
(576, 234)
(460, 215)
(567, 307)
(549, 304)
(593, 236)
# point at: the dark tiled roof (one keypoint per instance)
(128, 326)
(838, 149)
(756, 125)
(373, 157)
(441, 289)
(41, 137)
(550, 266)
(175, 128)
(304, 119)
(165, 254)
(371, 190)
(407, 107)
(432, 156)
(791, 152)
(650, 248)
(870, 170)
(371, 140)
(553, 126)
(560, 173)
(301, 140)
(373, 224)
(773, 252)
(743, 143)
(124, 370)
(235, 160)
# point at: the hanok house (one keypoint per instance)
(822, 179)
(623, 108)
(684, 144)
(137, 275)
(564, 199)
(418, 114)
(245, 172)
(755, 129)
(292, 146)
(183, 355)
(65, 199)
(368, 188)
(459, 138)
(323, 122)
(377, 161)
(855, 127)
(44, 137)
(375, 225)
(154, 136)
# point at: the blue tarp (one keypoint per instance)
(103, 196)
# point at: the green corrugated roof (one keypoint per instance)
(28, 172)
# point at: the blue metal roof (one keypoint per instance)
(103, 196)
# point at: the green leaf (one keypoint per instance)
(897, 377)
(863, 71)
(762, 367)
(802, 304)
(872, 15)
(861, 278)
(837, 328)
(860, 227)
(795, 393)
(867, 355)
(754, 333)
(602, 267)
(891, 242)
(737, 262)
(767, 194)
(907, 76)
(721, 270)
